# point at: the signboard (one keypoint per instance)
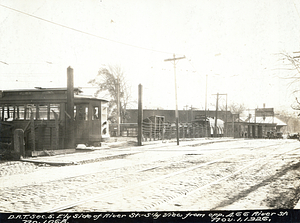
(264, 112)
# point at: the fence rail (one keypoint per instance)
(161, 131)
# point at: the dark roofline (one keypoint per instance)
(77, 90)
(42, 89)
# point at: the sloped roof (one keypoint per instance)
(267, 120)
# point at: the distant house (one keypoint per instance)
(257, 127)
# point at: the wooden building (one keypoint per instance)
(42, 114)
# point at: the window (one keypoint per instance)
(30, 110)
(95, 113)
(75, 111)
(54, 108)
(82, 112)
(2, 113)
(103, 111)
(20, 112)
(43, 112)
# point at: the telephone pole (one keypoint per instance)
(176, 111)
(217, 107)
(206, 134)
(118, 106)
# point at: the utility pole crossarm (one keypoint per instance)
(173, 59)
(219, 94)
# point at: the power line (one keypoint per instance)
(296, 9)
(86, 33)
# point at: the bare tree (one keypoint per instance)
(291, 119)
(112, 81)
(233, 107)
(293, 74)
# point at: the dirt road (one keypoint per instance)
(233, 175)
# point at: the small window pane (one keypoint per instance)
(95, 113)
(82, 112)
(43, 110)
(20, 112)
(74, 111)
(30, 110)
(5, 114)
(54, 108)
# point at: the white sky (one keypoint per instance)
(235, 42)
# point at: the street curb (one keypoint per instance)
(104, 157)
(51, 163)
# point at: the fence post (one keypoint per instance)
(140, 116)
(32, 130)
(151, 131)
(19, 143)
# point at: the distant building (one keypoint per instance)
(191, 122)
(200, 123)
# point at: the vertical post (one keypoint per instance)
(233, 125)
(216, 118)
(176, 111)
(3, 112)
(238, 125)
(70, 109)
(206, 134)
(140, 115)
(155, 126)
(225, 126)
(32, 130)
(118, 106)
(150, 131)
(19, 143)
(56, 146)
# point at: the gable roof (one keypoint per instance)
(266, 120)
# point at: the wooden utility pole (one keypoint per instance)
(140, 115)
(206, 134)
(216, 118)
(118, 106)
(217, 108)
(233, 125)
(70, 109)
(225, 126)
(176, 111)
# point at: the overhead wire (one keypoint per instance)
(83, 32)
